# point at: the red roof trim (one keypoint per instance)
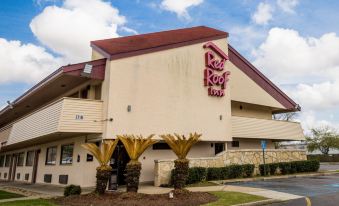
(153, 49)
(98, 72)
(121, 47)
(238, 60)
(98, 69)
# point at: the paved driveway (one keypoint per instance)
(322, 190)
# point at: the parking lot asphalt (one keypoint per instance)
(321, 190)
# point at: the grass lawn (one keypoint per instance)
(37, 202)
(232, 198)
(8, 195)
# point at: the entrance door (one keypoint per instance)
(35, 165)
(12, 168)
(118, 163)
(219, 147)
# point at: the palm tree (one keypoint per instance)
(135, 146)
(181, 146)
(103, 155)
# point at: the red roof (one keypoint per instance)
(145, 43)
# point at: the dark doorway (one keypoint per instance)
(219, 147)
(12, 169)
(118, 163)
(35, 165)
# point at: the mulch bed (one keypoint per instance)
(137, 199)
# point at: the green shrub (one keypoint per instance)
(285, 167)
(225, 173)
(299, 166)
(72, 190)
(248, 170)
(273, 168)
(294, 167)
(264, 169)
(235, 171)
(196, 174)
(302, 166)
(214, 173)
(313, 165)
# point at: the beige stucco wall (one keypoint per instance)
(250, 110)
(96, 55)
(244, 89)
(79, 173)
(167, 94)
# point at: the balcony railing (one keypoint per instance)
(66, 115)
(244, 127)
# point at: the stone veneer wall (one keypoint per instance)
(163, 168)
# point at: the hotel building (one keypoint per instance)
(177, 81)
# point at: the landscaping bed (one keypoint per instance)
(137, 199)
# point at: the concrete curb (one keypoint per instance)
(257, 203)
(272, 177)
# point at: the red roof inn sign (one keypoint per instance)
(214, 77)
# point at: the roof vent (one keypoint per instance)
(87, 70)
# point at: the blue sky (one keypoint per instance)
(294, 42)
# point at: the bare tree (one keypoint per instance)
(289, 116)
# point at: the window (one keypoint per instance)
(2, 160)
(219, 147)
(7, 161)
(21, 158)
(51, 155)
(66, 154)
(235, 143)
(161, 146)
(29, 158)
(89, 157)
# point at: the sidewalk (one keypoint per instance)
(260, 178)
(270, 194)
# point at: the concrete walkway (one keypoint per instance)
(270, 194)
(48, 191)
(36, 190)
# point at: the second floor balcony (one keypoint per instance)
(62, 118)
(245, 127)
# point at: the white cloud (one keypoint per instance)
(246, 37)
(288, 57)
(317, 96)
(263, 14)
(129, 30)
(287, 5)
(180, 7)
(25, 62)
(309, 67)
(68, 30)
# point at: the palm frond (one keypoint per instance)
(104, 153)
(136, 145)
(180, 144)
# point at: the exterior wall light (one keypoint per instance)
(129, 108)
